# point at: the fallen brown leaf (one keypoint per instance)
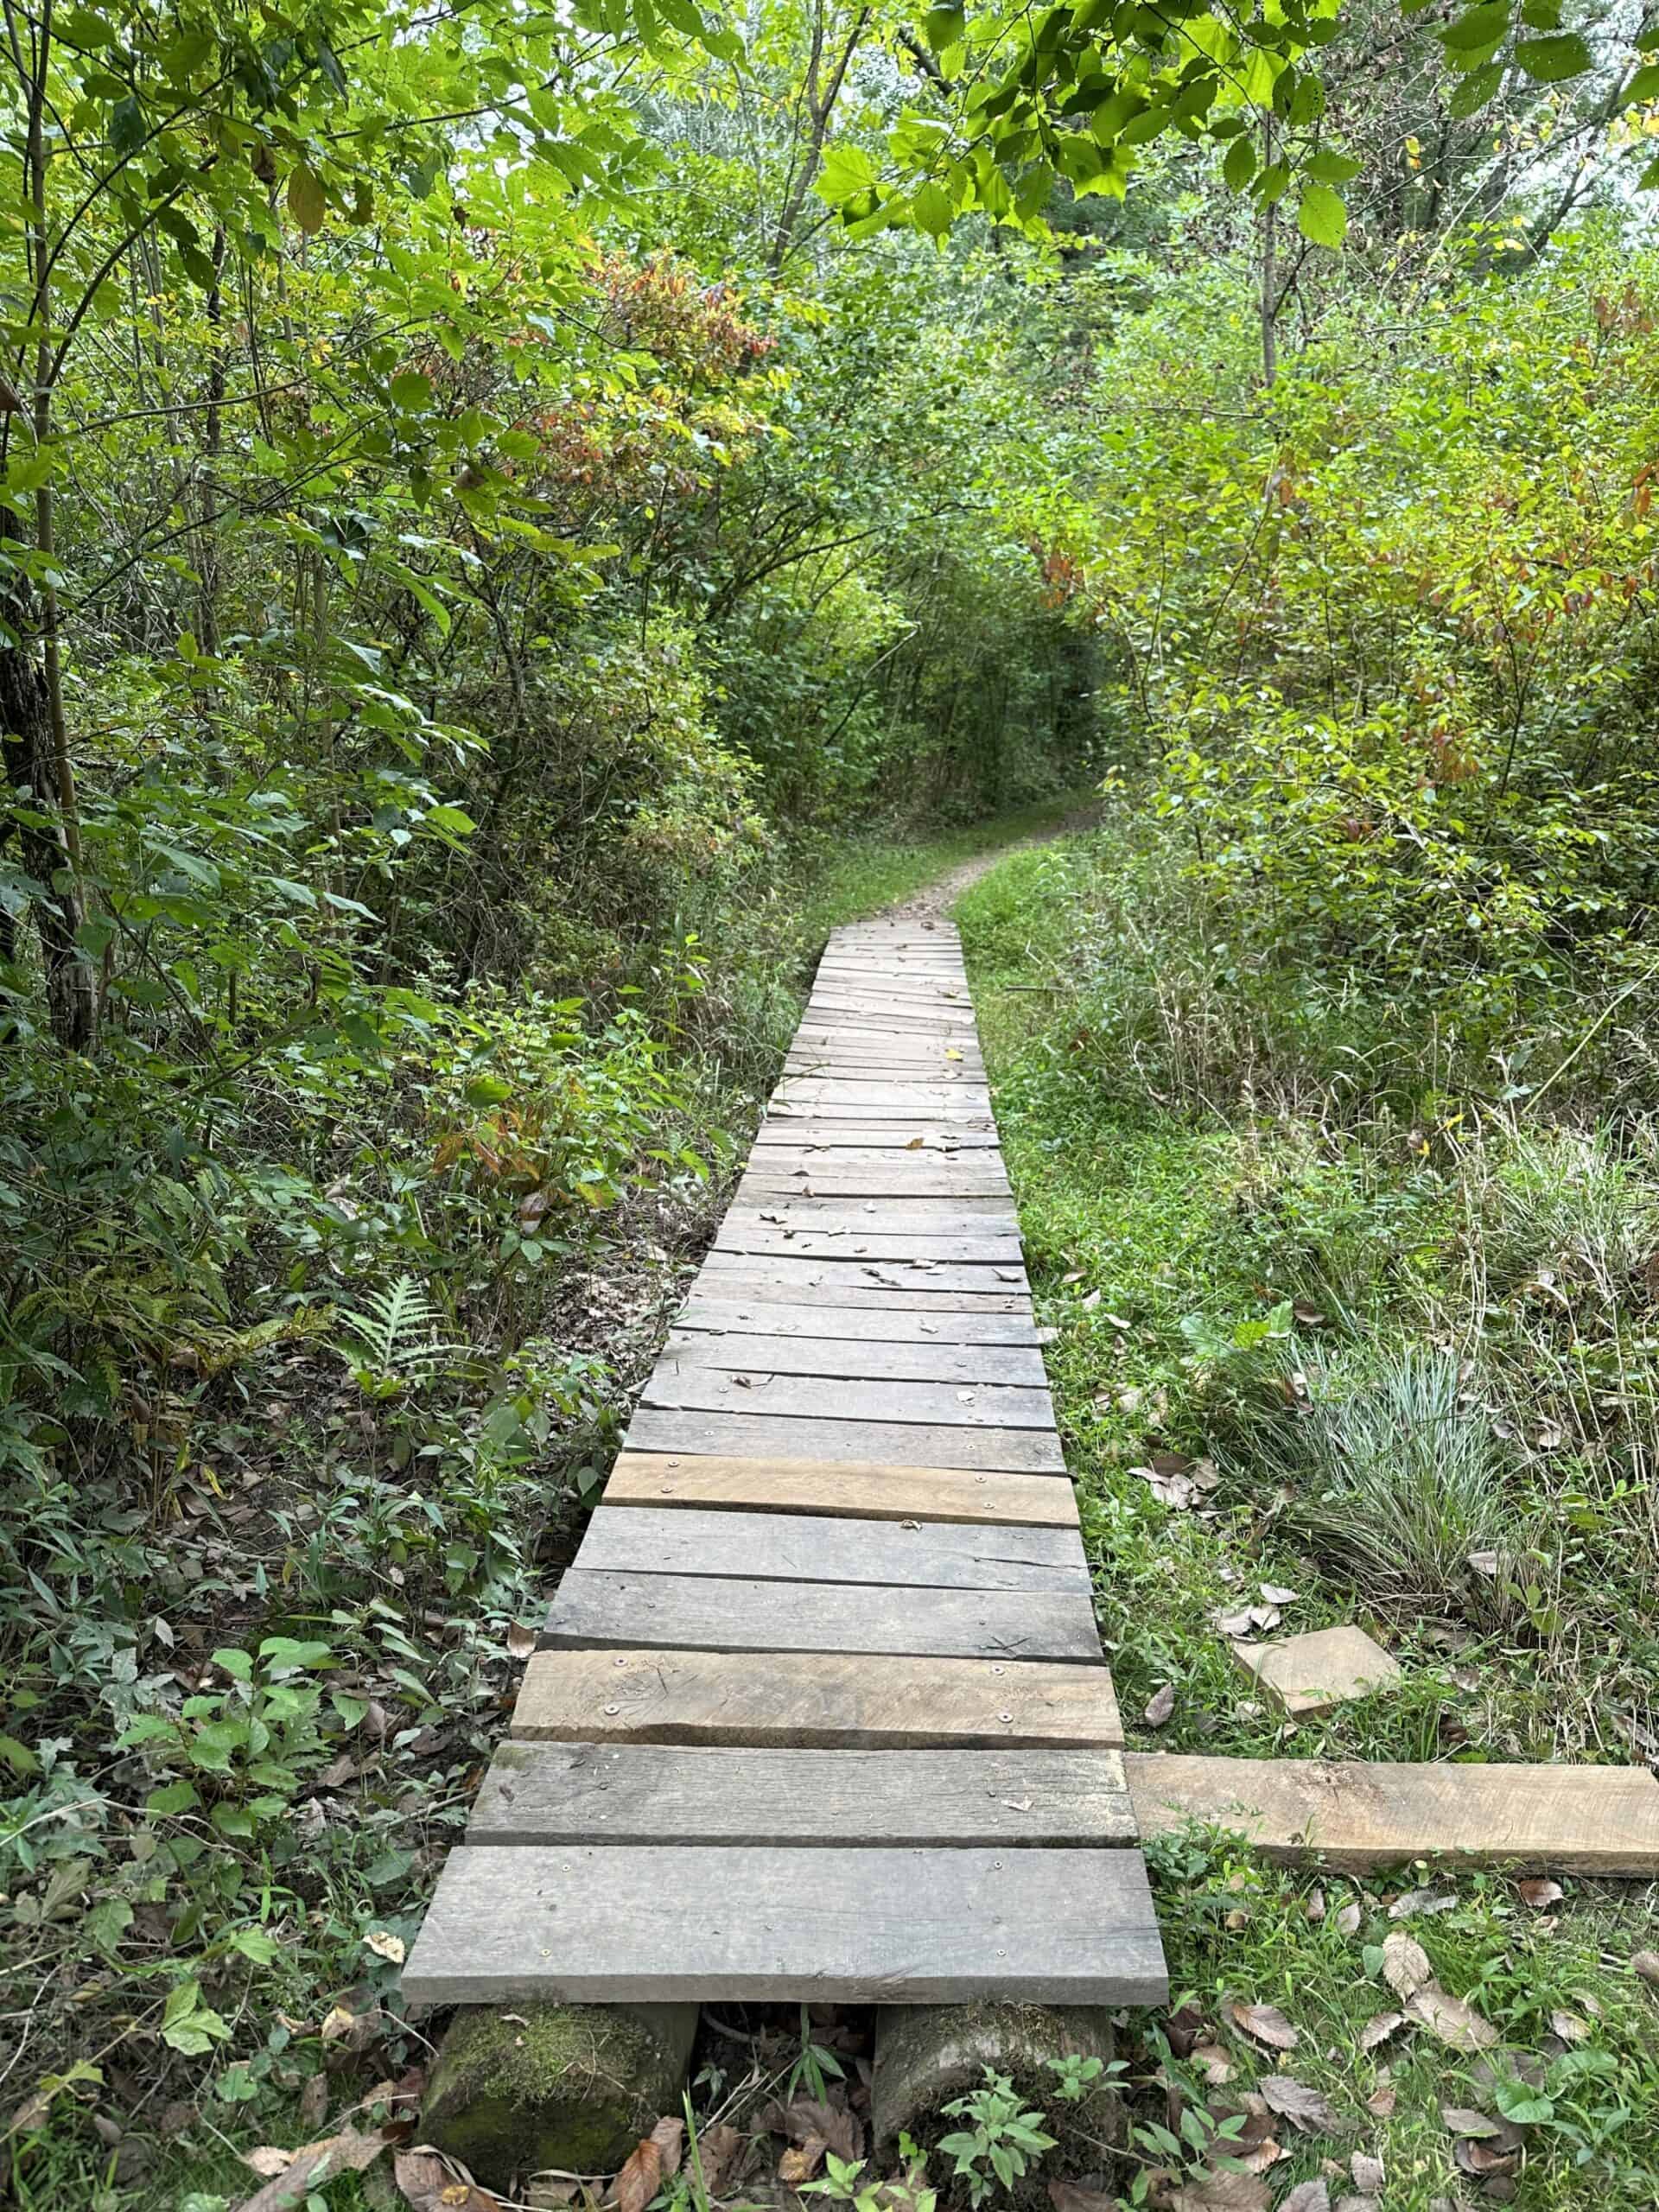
(1472, 2157)
(801, 2161)
(718, 2150)
(1303, 2107)
(1646, 1963)
(1379, 2028)
(1182, 2029)
(1308, 2196)
(1067, 2196)
(429, 2184)
(1159, 1706)
(1540, 1894)
(1405, 1963)
(1367, 2170)
(314, 2100)
(1456, 2024)
(1381, 2102)
(1348, 1919)
(641, 2176)
(1224, 2192)
(837, 2127)
(1424, 1902)
(1314, 1905)
(521, 1642)
(302, 2171)
(1265, 2024)
(1216, 2066)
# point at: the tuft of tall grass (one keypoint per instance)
(1393, 1478)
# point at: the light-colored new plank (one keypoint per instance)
(1587, 1820)
(682, 1386)
(645, 1793)
(827, 1700)
(869, 1489)
(696, 1612)
(819, 1547)
(858, 1359)
(1014, 1451)
(606, 1923)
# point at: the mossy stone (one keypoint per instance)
(571, 2086)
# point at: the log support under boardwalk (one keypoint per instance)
(927, 2056)
(519, 2088)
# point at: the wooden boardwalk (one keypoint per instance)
(821, 1711)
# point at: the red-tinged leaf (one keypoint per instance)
(640, 2178)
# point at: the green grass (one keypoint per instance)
(1387, 1347)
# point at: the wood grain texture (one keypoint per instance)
(869, 1489)
(804, 1213)
(1586, 1820)
(695, 1612)
(988, 1247)
(812, 1277)
(829, 1132)
(820, 1547)
(759, 1192)
(1013, 1451)
(826, 1699)
(760, 1282)
(685, 1387)
(858, 1359)
(606, 1923)
(646, 1792)
(710, 1309)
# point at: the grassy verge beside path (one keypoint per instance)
(1398, 1354)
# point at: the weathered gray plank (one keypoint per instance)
(804, 1210)
(869, 1489)
(758, 1193)
(830, 1699)
(801, 1548)
(709, 1314)
(947, 1094)
(642, 1793)
(828, 1133)
(861, 1359)
(747, 1436)
(729, 1923)
(988, 1247)
(684, 1385)
(706, 1613)
(809, 1274)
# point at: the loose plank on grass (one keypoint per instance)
(869, 1489)
(830, 1699)
(814, 1547)
(816, 1397)
(699, 1612)
(859, 1360)
(711, 1312)
(640, 1793)
(1012, 1451)
(601, 1923)
(1586, 1820)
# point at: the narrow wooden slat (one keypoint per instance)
(644, 1793)
(827, 1700)
(747, 1436)
(814, 1277)
(989, 1247)
(799, 1548)
(816, 1397)
(760, 1193)
(696, 1612)
(963, 1095)
(783, 1282)
(1585, 1820)
(829, 1133)
(712, 1310)
(805, 1212)
(605, 1923)
(859, 1359)
(869, 1489)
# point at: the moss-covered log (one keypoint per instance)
(928, 2054)
(571, 2086)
